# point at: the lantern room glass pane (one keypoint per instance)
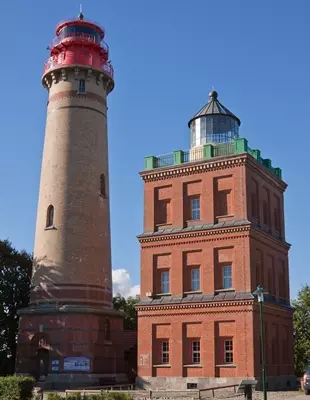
(214, 129)
(80, 30)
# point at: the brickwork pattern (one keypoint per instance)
(258, 255)
(71, 294)
(75, 154)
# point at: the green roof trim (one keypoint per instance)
(208, 152)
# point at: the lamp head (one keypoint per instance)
(259, 293)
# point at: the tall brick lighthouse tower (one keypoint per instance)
(213, 231)
(70, 331)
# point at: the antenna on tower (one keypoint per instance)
(81, 16)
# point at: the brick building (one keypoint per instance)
(213, 231)
(70, 333)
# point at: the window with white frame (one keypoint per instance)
(165, 282)
(227, 277)
(196, 351)
(165, 352)
(228, 351)
(195, 279)
(195, 209)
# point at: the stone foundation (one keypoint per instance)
(79, 381)
(182, 383)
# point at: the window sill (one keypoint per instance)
(226, 366)
(163, 294)
(193, 221)
(225, 216)
(162, 366)
(193, 292)
(102, 196)
(225, 290)
(164, 224)
(193, 366)
(49, 228)
(109, 342)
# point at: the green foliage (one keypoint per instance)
(16, 388)
(128, 308)
(104, 395)
(115, 396)
(53, 396)
(15, 274)
(302, 330)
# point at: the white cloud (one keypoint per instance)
(122, 283)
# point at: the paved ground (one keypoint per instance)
(256, 396)
(277, 396)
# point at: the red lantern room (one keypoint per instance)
(79, 42)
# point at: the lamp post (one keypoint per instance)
(259, 293)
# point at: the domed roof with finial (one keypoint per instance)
(214, 107)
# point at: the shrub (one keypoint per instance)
(53, 396)
(115, 396)
(16, 387)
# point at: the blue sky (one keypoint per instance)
(167, 55)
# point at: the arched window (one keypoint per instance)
(107, 330)
(50, 217)
(102, 185)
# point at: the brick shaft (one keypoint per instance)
(70, 312)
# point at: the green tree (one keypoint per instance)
(15, 275)
(302, 330)
(128, 308)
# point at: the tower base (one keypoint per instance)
(71, 345)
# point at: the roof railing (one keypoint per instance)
(207, 152)
(76, 19)
(52, 63)
(79, 36)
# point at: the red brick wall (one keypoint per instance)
(209, 251)
(269, 261)
(238, 188)
(206, 185)
(278, 330)
(71, 335)
(210, 325)
(268, 191)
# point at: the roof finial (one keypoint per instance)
(213, 94)
(81, 16)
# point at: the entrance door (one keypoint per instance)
(42, 363)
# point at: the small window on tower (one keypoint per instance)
(165, 352)
(82, 89)
(195, 279)
(195, 208)
(196, 352)
(227, 277)
(228, 352)
(107, 330)
(102, 185)
(164, 282)
(50, 217)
